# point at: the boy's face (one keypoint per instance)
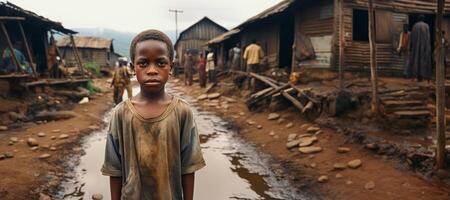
(152, 65)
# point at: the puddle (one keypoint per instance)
(235, 169)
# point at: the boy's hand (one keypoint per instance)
(188, 186)
(116, 187)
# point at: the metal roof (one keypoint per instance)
(223, 36)
(85, 42)
(278, 8)
(9, 9)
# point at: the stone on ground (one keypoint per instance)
(63, 136)
(289, 125)
(307, 141)
(14, 139)
(213, 95)
(272, 133)
(9, 155)
(44, 156)
(273, 116)
(2, 156)
(292, 144)
(202, 97)
(343, 149)
(339, 166)
(322, 179)
(312, 129)
(369, 185)
(41, 134)
(44, 197)
(339, 175)
(3, 128)
(259, 127)
(308, 150)
(97, 196)
(84, 100)
(32, 142)
(291, 137)
(354, 163)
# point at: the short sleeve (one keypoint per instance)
(191, 154)
(112, 165)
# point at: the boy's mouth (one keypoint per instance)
(152, 82)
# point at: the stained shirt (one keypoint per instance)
(152, 154)
(253, 54)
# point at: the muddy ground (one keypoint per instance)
(378, 177)
(35, 171)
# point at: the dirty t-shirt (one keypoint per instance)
(152, 154)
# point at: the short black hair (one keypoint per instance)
(421, 17)
(151, 34)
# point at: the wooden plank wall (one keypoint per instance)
(197, 37)
(309, 23)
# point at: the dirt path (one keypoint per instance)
(26, 176)
(389, 181)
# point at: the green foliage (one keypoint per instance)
(92, 89)
(93, 67)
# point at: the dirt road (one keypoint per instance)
(39, 169)
(376, 178)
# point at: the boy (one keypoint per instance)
(152, 149)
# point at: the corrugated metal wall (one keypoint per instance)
(97, 56)
(267, 36)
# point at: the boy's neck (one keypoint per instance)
(153, 96)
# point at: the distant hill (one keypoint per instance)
(121, 40)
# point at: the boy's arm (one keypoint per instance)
(116, 187)
(188, 186)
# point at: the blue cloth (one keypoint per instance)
(8, 63)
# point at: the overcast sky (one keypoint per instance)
(138, 15)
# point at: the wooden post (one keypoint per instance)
(27, 47)
(341, 44)
(77, 57)
(373, 60)
(11, 48)
(440, 89)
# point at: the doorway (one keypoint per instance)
(286, 41)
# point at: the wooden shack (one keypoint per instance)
(92, 50)
(32, 30)
(304, 34)
(196, 36)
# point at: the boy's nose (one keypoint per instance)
(152, 69)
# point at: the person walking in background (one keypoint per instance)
(403, 48)
(121, 81)
(210, 67)
(188, 64)
(420, 57)
(201, 65)
(236, 57)
(253, 56)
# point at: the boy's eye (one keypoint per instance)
(142, 64)
(161, 63)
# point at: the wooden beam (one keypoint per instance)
(8, 18)
(341, 44)
(77, 57)
(27, 47)
(440, 89)
(11, 47)
(373, 59)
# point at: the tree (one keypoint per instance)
(373, 60)
(440, 88)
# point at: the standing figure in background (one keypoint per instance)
(253, 55)
(420, 46)
(210, 66)
(52, 63)
(403, 49)
(201, 65)
(188, 64)
(236, 57)
(121, 81)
